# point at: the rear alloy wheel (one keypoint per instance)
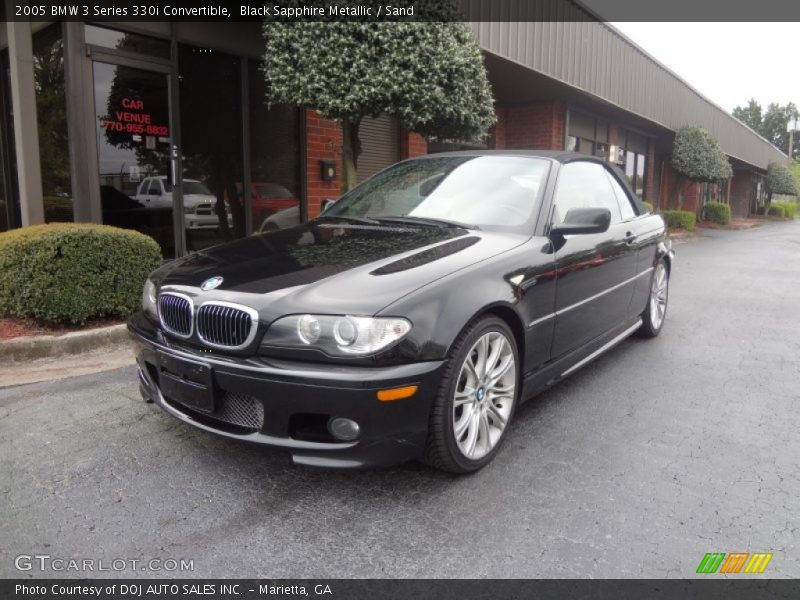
(476, 400)
(656, 312)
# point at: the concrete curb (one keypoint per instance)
(23, 349)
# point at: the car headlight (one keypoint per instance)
(336, 335)
(149, 298)
(188, 209)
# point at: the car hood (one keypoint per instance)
(331, 267)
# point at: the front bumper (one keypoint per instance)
(295, 401)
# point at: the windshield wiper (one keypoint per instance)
(427, 221)
(364, 220)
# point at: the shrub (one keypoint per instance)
(71, 272)
(776, 210)
(717, 212)
(682, 219)
(780, 180)
(789, 209)
(647, 205)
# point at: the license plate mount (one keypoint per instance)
(188, 382)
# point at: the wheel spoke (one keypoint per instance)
(483, 426)
(498, 373)
(497, 417)
(464, 422)
(483, 351)
(465, 396)
(472, 434)
(494, 355)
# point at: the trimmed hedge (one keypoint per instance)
(682, 219)
(647, 205)
(789, 209)
(71, 272)
(717, 212)
(776, 209)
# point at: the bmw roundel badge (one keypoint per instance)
(211, 283)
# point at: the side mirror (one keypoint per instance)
(583, 220)
(326, 204)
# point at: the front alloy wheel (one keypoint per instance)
(656, 311)
(484, 395)
(476, 400)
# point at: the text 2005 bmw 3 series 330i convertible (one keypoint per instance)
(411, 318)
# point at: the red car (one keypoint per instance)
(268, 198)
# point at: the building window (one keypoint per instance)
(51, 114)
(9, 201)
(633, 152)
(274, 159)
(211, 138)
(714, 192)
(587, 134)
(133, 151)
(128, 42)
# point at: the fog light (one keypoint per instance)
(344, 429)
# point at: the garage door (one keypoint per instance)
(380, 145)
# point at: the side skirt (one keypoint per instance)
(554, 372)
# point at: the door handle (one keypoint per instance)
(629, 238)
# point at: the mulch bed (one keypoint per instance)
(736, 224)
(13, 327)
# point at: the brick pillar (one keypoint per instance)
(323, 142)
(650, 188)
(691, 196)
(497, 134)
(741, 192)
(412, 144)
(535, 127)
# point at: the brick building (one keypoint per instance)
(161, 126)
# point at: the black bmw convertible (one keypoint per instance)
(412, 317)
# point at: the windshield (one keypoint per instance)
(189, 187)
(474, 190)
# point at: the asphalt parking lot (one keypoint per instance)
(638, 465)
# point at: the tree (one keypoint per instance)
(771, 125)
(750, 115)
(430, 76)
(697, 156)
(780, 180)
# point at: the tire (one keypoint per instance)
(655, 313)
(481, 413)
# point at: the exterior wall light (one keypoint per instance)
(328, 170)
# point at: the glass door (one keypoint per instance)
(135, 151)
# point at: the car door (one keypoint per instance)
(594, 272)
(141, 193)
(643, 231)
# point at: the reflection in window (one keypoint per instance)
(454, 188)
(275, 159)
(129, 42)
(3, 203)
(48, 72)
(9, 199)
(133, 151)
(211, 134)
(635, 153)
(584, 185)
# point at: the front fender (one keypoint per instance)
(440, 310)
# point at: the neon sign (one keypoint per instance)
(134, 119)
